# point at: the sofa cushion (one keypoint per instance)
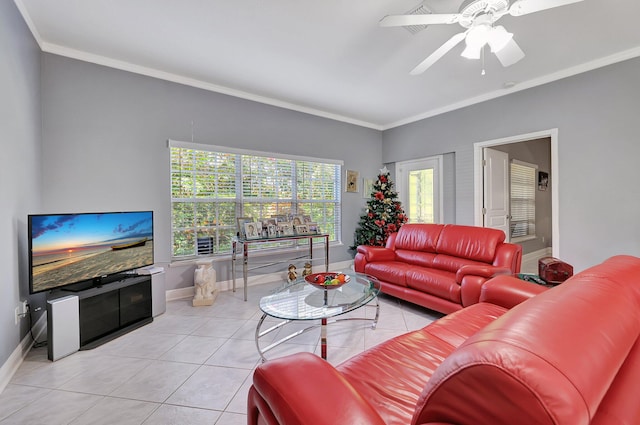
(473, 243)
(418, 237)
(394, 391)
(435, 282)
(453, 264)
(419, 258)
(389, 271)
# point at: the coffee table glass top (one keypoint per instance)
(302, 301)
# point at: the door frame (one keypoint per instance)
(555, 179)
(401, 177)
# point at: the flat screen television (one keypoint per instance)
(87, 249)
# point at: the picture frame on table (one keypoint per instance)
(297, 220)
(253, 230)
(351, 182)
(285, 228)
(301, 229)
(313, 228)
(241, 222)
(272, 230)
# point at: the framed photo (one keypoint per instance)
(543, 180)
(351, 183)
(285, 228)
(297, 220)
(241, 221)
(272, 230)
(307, 218)
(253, 230)
(301, 229)
(367, 187)
(313, 228)
(279, 218)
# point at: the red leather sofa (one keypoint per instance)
(567, 356)
(439, 266)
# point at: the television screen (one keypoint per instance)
(71, 248)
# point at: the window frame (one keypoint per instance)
(294, 203)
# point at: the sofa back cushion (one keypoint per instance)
(550, 360)
(418, 237)
(470, 242)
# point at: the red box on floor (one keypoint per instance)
(554, 271)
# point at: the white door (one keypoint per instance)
(496, 190)
(419, 189)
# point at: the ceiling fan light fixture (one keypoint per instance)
(476, 39)
(498, 38)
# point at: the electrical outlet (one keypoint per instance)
(17, 314)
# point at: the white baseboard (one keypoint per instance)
(227, 285)
(14, 361)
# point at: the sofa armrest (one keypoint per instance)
(482, 271)
(508, 291)
(376, 253)
(301, 386)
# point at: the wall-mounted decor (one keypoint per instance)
(367, 187)
(543, 180)
(351, 184)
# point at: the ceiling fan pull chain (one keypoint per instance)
(482, 57)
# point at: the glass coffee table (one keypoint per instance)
(303, 301)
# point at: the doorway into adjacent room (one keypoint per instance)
(513, 194)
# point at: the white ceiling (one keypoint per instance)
(329, 57)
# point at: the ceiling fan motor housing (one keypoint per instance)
(484, 10)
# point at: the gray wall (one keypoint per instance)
(20, 179)
(596, 114)
(105, 137)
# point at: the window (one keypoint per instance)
(211, 186)
(523, 199)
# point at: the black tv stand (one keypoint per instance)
(109, 311)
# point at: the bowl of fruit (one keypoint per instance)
(327, 280)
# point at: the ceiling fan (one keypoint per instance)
(478, 17)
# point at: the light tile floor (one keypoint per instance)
(191, 365)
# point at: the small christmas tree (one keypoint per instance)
(382, 216)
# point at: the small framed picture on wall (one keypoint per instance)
(543, 180)
(351, 183)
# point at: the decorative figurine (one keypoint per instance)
(292, 274)
(307, 269)
(204, 279)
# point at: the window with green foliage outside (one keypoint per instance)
(210, 188)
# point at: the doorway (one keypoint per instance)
(491, 197)
(420, 189)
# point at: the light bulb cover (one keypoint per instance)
(498, 38)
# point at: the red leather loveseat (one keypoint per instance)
(567, 356)
(438, 266)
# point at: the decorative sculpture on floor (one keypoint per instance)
(204, 279)
(292, 275)
(307, 269)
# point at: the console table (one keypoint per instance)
(245, 243)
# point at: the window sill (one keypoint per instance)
(523, 239)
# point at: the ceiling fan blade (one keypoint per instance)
(509, 54)
(431, 19)
(440, 52)
(523, 7)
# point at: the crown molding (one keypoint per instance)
(567, 72)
